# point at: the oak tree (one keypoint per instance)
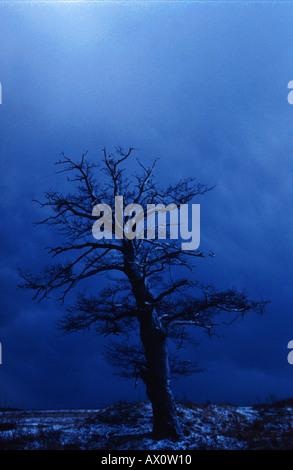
(147, 297)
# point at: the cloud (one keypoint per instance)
(203, 87)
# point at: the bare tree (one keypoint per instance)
(146, 294)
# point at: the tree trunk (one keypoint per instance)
(156, 374)
(156, 377)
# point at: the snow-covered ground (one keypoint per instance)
(128, 426)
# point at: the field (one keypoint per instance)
(128, 426)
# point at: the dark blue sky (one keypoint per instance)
(202, 86)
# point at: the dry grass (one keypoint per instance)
(128, 426)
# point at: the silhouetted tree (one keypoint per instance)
(146, 294)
